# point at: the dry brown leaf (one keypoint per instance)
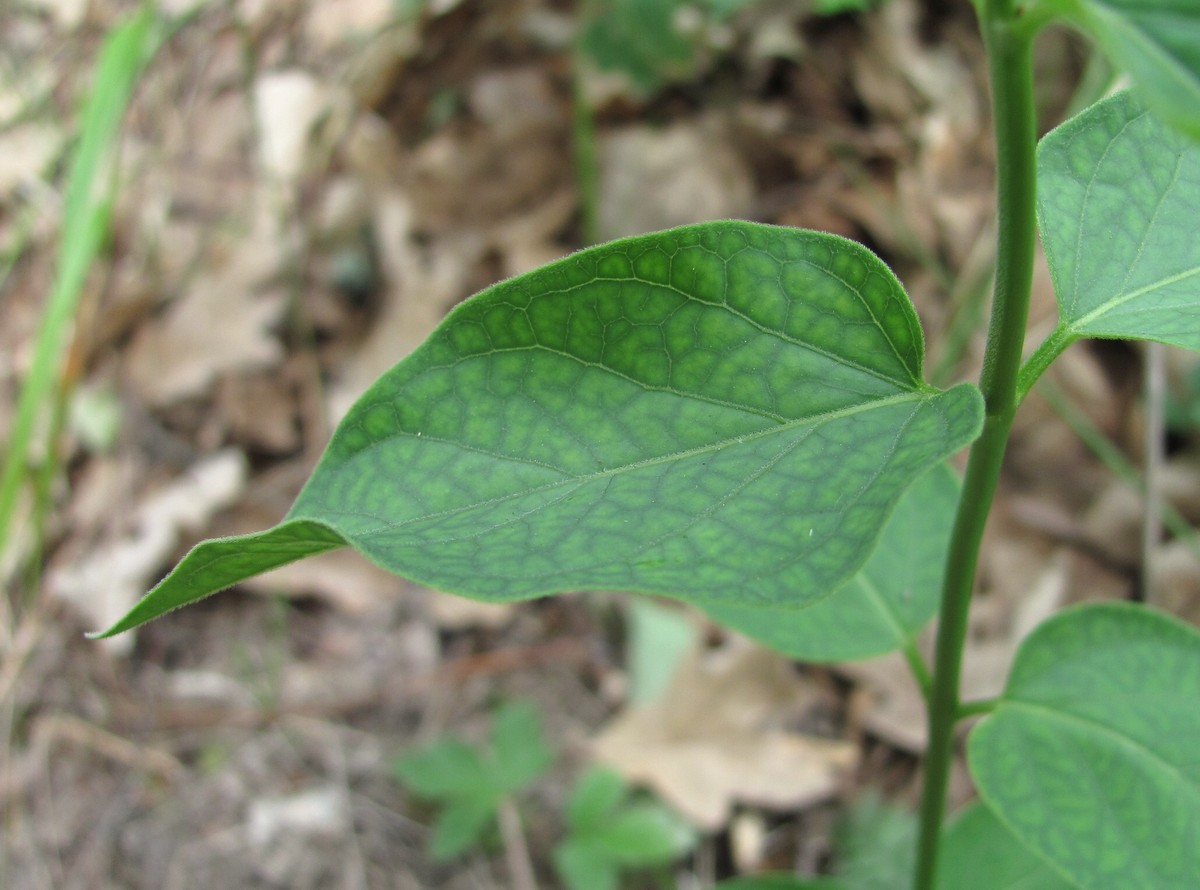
(896, 710)
(459, 613)
(1177, 573)
(105, 582)
(260, 411)
(718, 737)
(658, 178)
(342, 578)
(287, 105)
(26, 151)
(332, 22)
(999, 622)
(515, 102)
(941, 192)
(67, 14)
(221, 324)
(422, 284)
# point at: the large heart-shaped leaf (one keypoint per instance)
(1118, 200)
(979, 852)
(1091, 757)
(725, 412)
(1156, 41)
(881, 608)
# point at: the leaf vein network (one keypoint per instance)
(632, 466)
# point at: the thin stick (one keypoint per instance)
(516, 851)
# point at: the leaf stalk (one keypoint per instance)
(1009, 50)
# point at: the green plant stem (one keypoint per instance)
(1009, 50)
(587, 167)
(1050, 349)
(920, 670)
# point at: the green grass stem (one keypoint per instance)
(86, 217)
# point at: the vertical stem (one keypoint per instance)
(1011, 67)
(516, 851)
(1155, 457)
(587, 165)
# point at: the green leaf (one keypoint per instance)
(222, 562)
(584, 865)
(459, 827)
(610, 833)
(840, 7)
(643, 834)
(979, 852)
(725, 412)
(471, 784)
(639, 39)
(1119, 195)
(595, 795)
(1157, 42)
(1090, 757)
(518, 744)
(887, 603)
(448, 769)
(659, 637)
(876, 845)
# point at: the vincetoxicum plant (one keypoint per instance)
(735, 415)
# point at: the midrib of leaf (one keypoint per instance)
(880, 602)
(1120, 299)
(813, 421)
(650, 387)
(1076, 326)
(1087, 199)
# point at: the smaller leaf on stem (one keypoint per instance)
(1090, 756)
(1119, 194)
(1157, 42)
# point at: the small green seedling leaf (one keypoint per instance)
(447, 769)
(609, 832)
(596, 795)
(875, 845)
(841, 7)
(470, 784)
(1156, 41)
(660, 636)
(459, 826)
(640, 39)
(1118, 200)
(584, 867)
(882, 607)
(521, 752)
(1090, 757)
(979, 852)
(725, 412)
